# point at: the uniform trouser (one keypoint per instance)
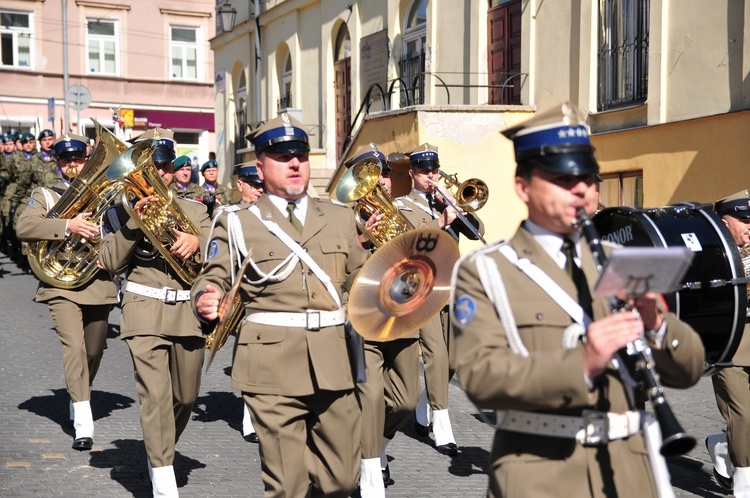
(438, 370)
(82, 330)
(309, 445)
(167, 378)
(390, 394)
(732, 391)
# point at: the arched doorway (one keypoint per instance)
(342, 69)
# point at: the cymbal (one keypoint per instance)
(403, 285)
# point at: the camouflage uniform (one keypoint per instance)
(222, 193)
(26, 171)
(192, 191)
(45, 171)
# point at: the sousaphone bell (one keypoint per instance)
(403, 285)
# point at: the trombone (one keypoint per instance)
(457, 209)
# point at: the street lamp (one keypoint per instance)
(228, 15)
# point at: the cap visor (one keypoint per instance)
(290, 146)
(163, 156)
(576, 164)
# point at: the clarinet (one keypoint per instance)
(675, 441)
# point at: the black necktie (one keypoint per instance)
(290, 206)
(576, 274)
(431, 203)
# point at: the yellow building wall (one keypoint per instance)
(699, 160)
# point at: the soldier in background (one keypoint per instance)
(8, 146)
(46, 138)
(182, 186)
(213, 189)
(22, 170)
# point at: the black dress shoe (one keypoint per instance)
(422, 430)
(83, 443)
(387, 481)
(251, 438)
(726, 483)
(449, 449)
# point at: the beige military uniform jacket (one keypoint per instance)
(551, 380)
(289, 361)
(128, 251)
(33, 225)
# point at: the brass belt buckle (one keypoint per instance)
(313, 320)
(595, 428)
(170, 296)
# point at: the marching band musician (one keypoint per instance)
(424, 207)
(80, 315)
(291, 360)
(730, 451)
(164, 337)
(392, 371)
(519, 351)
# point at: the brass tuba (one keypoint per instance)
(470, 195)
(71, 262)
(360, 183)
(138, 177)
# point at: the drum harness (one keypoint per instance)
(594, 427)
(311, 320)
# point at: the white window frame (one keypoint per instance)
(417, 33)
(286, 81)
(15, 33)
(100, 39)
(175, 46)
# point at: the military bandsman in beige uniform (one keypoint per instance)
(165, 339)
(80, 315)
(424, 207)
(519, 349)
(389, 396)
(730, 451)
(291, 360)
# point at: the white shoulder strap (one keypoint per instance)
(551, 287)
(50, 202)
(492, 281)
(300, 252)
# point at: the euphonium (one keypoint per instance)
(470, 195)
(360, 183)
(71, 262)
(138, 177)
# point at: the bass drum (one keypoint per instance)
(713, 297)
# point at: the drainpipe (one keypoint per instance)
(258, 100)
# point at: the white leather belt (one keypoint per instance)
(310, 320)
(165, 294)
(593, 428)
